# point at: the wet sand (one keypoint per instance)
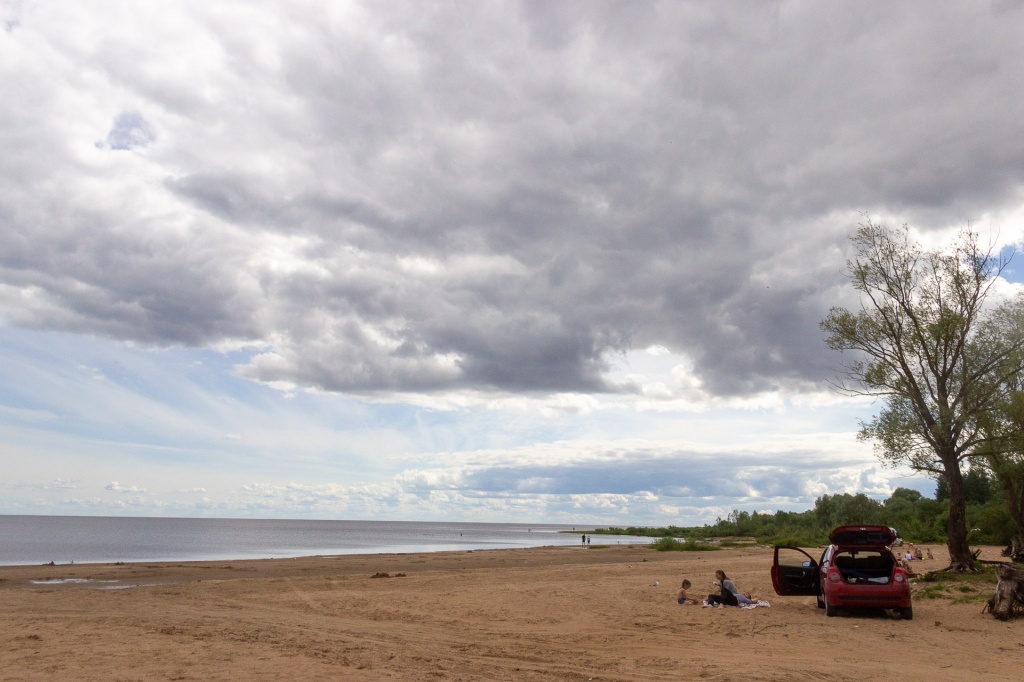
(520, 614)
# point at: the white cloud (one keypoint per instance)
(116, 487)
(442, 251)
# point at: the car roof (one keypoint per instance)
(862, 536)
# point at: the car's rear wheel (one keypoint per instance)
(830, 610)
(821, 602)
(907, 612)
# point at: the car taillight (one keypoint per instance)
(834, 576)
(898, 576)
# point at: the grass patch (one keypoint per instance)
(737, 542)
(959, 588)
(673, 545)
(986, 576)
(936, 591)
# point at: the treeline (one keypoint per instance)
(916, 518)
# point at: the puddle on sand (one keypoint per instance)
(89, 582)
(69, 581)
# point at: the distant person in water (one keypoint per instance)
(727, 592)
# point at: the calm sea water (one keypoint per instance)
(28, 540)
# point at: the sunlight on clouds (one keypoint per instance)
(286, 255)
(116, 487)
(601, 503)
(657, 375)
(449, 401)
(419, 265)
(63, 484)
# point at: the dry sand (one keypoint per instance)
(521, 614)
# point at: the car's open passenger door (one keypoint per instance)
(794, 573)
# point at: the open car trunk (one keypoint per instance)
(865, 567)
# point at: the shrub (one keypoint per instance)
(673, 545)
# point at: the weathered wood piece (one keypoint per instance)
(1008, 601)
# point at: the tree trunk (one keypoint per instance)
(1013, 485)
(1008, 601)
(1015, 551)
(1016, 511)
(960, 556)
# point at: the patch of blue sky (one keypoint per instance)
(1014, 270)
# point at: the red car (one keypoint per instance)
(857, 569)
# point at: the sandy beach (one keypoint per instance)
(520, 614)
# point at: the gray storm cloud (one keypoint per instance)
(502, 197)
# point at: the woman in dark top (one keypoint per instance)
(727, 596)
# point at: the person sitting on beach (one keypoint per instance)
(745, 599)
(917, 554)
(929, 553)
(682, 597)
(727, 595)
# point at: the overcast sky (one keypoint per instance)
(482, 261)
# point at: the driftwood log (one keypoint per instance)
(1008, 601)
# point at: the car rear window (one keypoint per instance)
(864, 567)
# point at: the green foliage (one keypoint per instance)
(737, 542)
(839, 510)
(667, 544)
(935, 591)
(979, 486)
(806, 539)
(993, 521)
(916, 518)
(643, 531)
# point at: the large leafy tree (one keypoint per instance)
(926, 343)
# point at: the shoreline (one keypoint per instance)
(325, 564)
